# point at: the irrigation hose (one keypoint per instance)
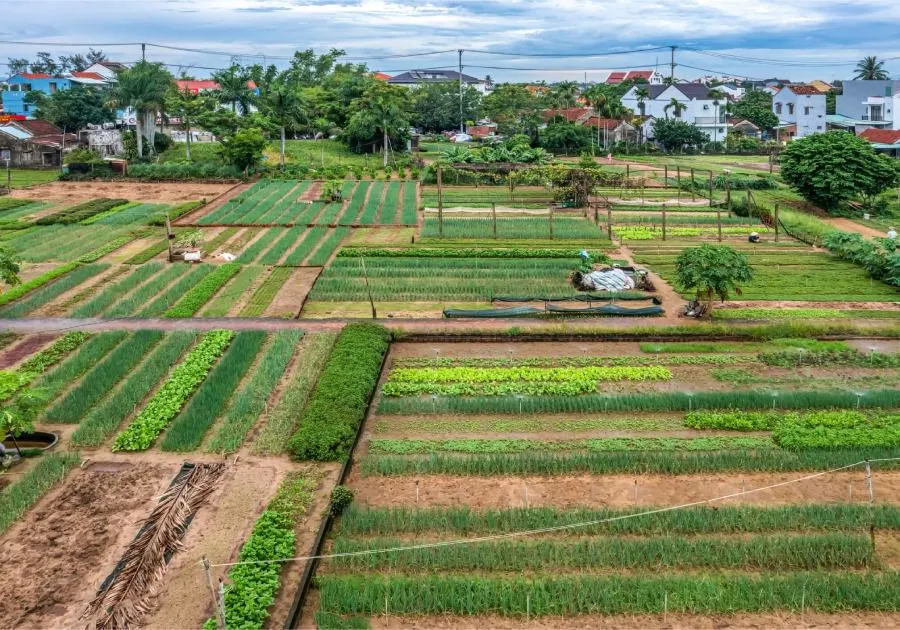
(556, 528)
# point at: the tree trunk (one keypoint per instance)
(282, 146)
(139, 130)
(16, 444)
(385, 147)
(188, 147)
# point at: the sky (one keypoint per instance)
(799, 40)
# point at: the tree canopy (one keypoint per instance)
(870, 69)
(712, 271)
(833, 167)
(436, 106)
(74, 108)
(756, 106)
(674, 134)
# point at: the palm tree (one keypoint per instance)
(676, 108)
(144, 87)
(282, 105)
(870, 69)
(717, 97)
(381, 108)
(641, 94)
(565, 93)
(233, 87)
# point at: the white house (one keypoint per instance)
(415, 78)
(870, 104)
(800, 110)
(698, 107)
(734, 92)
(650, 76)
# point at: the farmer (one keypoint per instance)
(753, 238)
(892, 233)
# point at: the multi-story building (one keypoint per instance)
(870, 104)
(695, 105)
(800, 110)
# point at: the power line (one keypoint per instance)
(566, 55)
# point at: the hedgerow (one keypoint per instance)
(203, 291)
(330, 421)
(19, 290)
(167, 402)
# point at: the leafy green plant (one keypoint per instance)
(81, 211)
(341, 498)
(203, 291)
(19, 290)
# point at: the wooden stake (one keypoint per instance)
(710, 190)
(494, 216)
(719, 221)
(678, 181)
(869, 486)
(220, 613)
(551, 220)
(609, 221)
(664, 222)
(440, 202)
(693, 193)
(776, 222)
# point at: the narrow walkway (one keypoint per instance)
(852, 226)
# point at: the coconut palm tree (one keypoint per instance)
(282, 105)
(233, 88)
(870, 69)
(676, 108)
(717, 97)
(642, 95)
(143, 87)
(564, 94)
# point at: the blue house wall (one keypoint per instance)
(20, 84)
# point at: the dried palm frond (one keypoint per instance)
(126, 598)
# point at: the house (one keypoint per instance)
(820, 85)
(611, 130)
(732, 90)
(800, 110)
(107, 69)
(34, 143)
(415, 78)
(482, 130)
(21, 84)
(196, 87)
(883, 140)
(649, 76)
(698, 108)
(744, 127)
(572, 114)
(381, 76)
(870, 104)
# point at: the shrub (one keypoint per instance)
(330, 421)
(341, 498)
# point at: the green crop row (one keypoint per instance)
(476, 446)
(113, 293)
(329, 423)
(645, 233)
(107, 248)
(252, 399)
(282, 422)
(106, 213)
(803, 313)
(662, 401)
(763, 553)
(515, 228)
(168, 401)
(212, 397)
(266, 292)
(220, 239)
(176, 212)
(104, 374)
(11, 381)
(327, 246)
(172, 293)
(203, 291)
(578, 361)
(16, 498)
(14, 293)
(226, 298)
(849, 357)
(719, 519)
(837, 429)
(115, 403)
(624, 462)
(463, 252)
(49, 292)
(81, 211)
(149, 253)
(474, 424)
(615, 594)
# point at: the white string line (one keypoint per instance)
(556, 528)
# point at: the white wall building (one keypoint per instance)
(800, 110)
(699, 108)
(415, 78)
(870, 104)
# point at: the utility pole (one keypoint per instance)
(62, 151)
(143, 52)
(672, 65)
(384, 165)
(461, 121)
(8, 176)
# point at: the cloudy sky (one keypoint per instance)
(797, 40)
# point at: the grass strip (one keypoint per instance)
(110, 294)
(802, 313)
(106, 417)
(49, 292)
(190, 426)
(253, 397)
(388, 424)
(16, 498)
(171, 397)
(14, 293)
(769, 552)
(104, 376)
(107, 248)
(329, 423)
(231, 292)
(624, 462)
(266, 292)
(720, 519)
(617, 594)
(203, 291)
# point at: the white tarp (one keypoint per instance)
(612, 280)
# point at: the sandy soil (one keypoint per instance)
(57, 555)
(290, 297)
(75, 192)
(31, 270)
(876, 306)
(672, 301)
(312, 193)
(380, 236)
(617, 490)
(808, 621)
(24, 348)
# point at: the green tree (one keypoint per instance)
(562, 135)
(244, 149)
(833, 167)
(642, 95)
(712, 271)
(9, 267)
(756, 106)
(190, 108)
(718, 97)
(144, 87)
(17, 415)
(870, 69)
(233, 88)
(436, 106)
(676, 106)
(381, 115)
(563, 95)
(674, 135)
(72, 109)
(514, 109)
(281, 104)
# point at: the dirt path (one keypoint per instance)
(671, 299)
(24, 348)
(75, 192)
(290, 297)
(852, 226)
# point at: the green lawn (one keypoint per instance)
(312, 152)
(715, 163)
(22, 178)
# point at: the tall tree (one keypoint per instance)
(144, 87)
(514, 109)
(563, 95)
(676, 106)
(308, 69)
(436, 106)
(74, 108)
(382, 110)
(44, 64)
(642, 96)
(718, 97)
(233, 87)
(96, 56)
(676, 134)
(282, 105)
(17, 66)
(756, 106)
(712, 271)
(870, 69)
(189, 107)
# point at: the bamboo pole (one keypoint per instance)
(440, 202)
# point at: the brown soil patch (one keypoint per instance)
(30, 271)
(672, 301)
(134, 247)
(57, 555)
(679, 621)
(25, 348)
(852, 226)
(618, 490)
(290, 297)
(493, 350)
(878, 345)
(75, 192)
(312, 193)
(380, 236)
(874, 306)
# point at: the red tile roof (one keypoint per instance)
(33, 75)
(572, 114)
(39, 128)
(881, 136)
(803, 89)
(616, 77)
(381, 76)
(595, 122)
(206, 84)
(640, 74)
(88, 75)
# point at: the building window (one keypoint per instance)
(791, 109)
(819, 127)
(806, 110)
(721, 130)
(777, 108)
(706, 107)
(52, 88)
